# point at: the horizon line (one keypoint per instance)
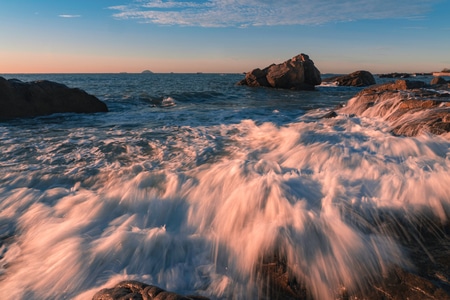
(197, 73)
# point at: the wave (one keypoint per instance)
(209, 209)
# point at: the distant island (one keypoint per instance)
(147, 72)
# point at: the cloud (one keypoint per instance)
(244, 13)
(69, 16)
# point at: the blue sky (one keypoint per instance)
(340, 36)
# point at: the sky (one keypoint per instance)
(222, 36)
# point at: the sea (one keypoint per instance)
(190, 182)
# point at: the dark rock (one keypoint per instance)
(298, 73)
(406, 105)
(29, 99)
(358, 78)
(135, 290)
(257, 77)
(438, 80)
(428, 248)
(329, 115)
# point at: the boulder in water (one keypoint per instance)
(29, 99)
(358, 78)
(298, 73)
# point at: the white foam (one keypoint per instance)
(164, 214)
(168, 101)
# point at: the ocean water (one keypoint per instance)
(190, 182)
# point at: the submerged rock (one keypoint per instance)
(139, 291)
(29, 99)
(358, 78)
(408, 106)
(298, 73)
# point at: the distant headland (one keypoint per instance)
(147, 72)
(444, 72)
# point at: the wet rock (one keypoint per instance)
(29, 99)
(298, 73)
(408, 106)
(428, 249)
(358, 78)
(135, 290)
(438, 80)
(329, 115)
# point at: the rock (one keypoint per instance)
(139, 291)
(438, 80)
(358, 78)
(29, 99)
(298, 73)
(408, 106)
(257, 77)
(329, 115)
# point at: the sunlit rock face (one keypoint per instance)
(410, 107)
(298, 73)
(29, 99)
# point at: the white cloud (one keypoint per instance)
(69, 16)
(242, 13)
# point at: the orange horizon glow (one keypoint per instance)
(51, 63)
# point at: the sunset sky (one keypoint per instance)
(340, 36)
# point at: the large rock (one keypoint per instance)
(358, 78)
(408, 107)
(29, 99)
(298, 73)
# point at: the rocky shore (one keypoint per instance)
(30, 99)
(409, 107)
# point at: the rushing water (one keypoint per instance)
(190, 181)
